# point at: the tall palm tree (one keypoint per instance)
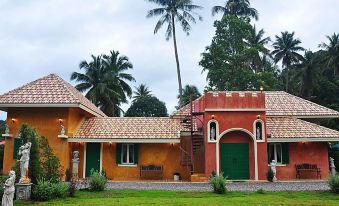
(190, 91)
(105, 82)
(141, 91)
(259, 42)
(286, 49)
(170, 12)
(237, 7)
(332, 52)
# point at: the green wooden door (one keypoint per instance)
(92, 157)
(234, 160)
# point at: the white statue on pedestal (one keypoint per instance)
(273, 166)
(24, 151)
(62, 132)
(332, 166)
(7, 129)
(9, 189)
(75, 168)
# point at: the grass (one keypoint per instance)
(133, 197)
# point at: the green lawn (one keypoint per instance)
(132, 197)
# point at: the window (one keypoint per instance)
(213, 131)
(258, 130)
(278, 152)
(127, 154)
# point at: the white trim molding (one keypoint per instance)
(263, 134)
(127, 140)
(236, 110)
(302, 140)
(254, 145)
(209, 131)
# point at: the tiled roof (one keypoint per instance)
(130, 127)
(48, 90)
(289, 127)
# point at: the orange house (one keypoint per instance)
(237, 133)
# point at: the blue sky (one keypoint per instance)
(39, 37)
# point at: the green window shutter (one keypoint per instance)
(17, 145)
(285, 153)
(118, 154)
(136, 153)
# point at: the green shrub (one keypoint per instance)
(61, 189)
(270, 175)
(261, 191)
(333, 182)
(72, 188)
(68, 175)
(49, 162)
(218, 184)
(97, 181)
(43, 190)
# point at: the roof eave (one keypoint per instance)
(310, 139)
(125, 140)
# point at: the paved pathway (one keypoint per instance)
(235, 186)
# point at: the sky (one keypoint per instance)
(39, 37)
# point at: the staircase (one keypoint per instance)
(197, 143)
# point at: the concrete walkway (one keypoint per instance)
(232, 186)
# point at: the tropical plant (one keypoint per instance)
(141, 91)
(190, 92)
(332, 52)
(148, 106)
(286, 49)
(105, 81)
(170, 12)
(237, 7)
(218, 183)
(97, 181)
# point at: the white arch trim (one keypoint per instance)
(217, 149)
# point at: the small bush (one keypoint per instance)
(270, 175)
(333, 182)
(218, 183)
(72, 188)
(68, 175)
(97, 181)
(43, 190)
(61, 189)
(261, 191)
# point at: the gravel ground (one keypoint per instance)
(234, 186)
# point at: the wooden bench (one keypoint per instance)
(308, 168)
(151, 169)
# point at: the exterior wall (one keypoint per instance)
(46, 122)
(305, 152)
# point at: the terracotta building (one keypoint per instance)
(237, 133)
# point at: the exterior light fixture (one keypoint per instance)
(213, 116)
(60, 121)
(258, 116)
(13, 120)
(261, 88)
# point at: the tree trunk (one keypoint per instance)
(177, 61)
(287, 77)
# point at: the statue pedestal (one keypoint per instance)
(23, 191)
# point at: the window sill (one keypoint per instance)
(280, 165)
(127, 165)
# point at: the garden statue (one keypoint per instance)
(273, 166)
(75, 168)
(9, 189)
(7, 129)
(62, 132)
(213, 134)
(332, 166)
(258, 134)
(24, 151)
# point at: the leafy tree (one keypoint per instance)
(105, 82)
(49, 162)
(241, 8)
(286, 49)
(2, 127)
(148, 106)
(188, 92)
(332, 53)
(141, 91)
(170, 12)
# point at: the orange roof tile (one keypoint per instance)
(49, 90)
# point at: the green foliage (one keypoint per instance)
(334, 153)
(147, 107)
(2, 127)
(270, 175)
(141, 91)
(238, 8)
(333, 182)
(72, 188)
(43, 190)
(261, 191)
(49, 162)
(97, 181)
(188, 92)
(61, 189)
(2, 182)
(218, 183)
(68, 174)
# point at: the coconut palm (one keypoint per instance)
(332, 52)
(141, 91)
(105, 82)
(170, 12)
(190, 92)
(237, 7)
(286, 49)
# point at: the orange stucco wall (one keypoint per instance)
(307, 152)
(46, 122)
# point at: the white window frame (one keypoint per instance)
(209, 131)
(275, 153)
(128, 146)
(262, 130)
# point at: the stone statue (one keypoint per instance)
(62, 132)
(9, 189)
(24, 152)
(7, 129)
(332, 166)
(273, 166)
(213, 134)
(75, 168)
(258, 134)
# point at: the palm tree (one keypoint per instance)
(141, 91)
(258, 41)
(104, 81)
(332, 52)
(190, 91)
(286, 49)
(237, 7)
(170, 12)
